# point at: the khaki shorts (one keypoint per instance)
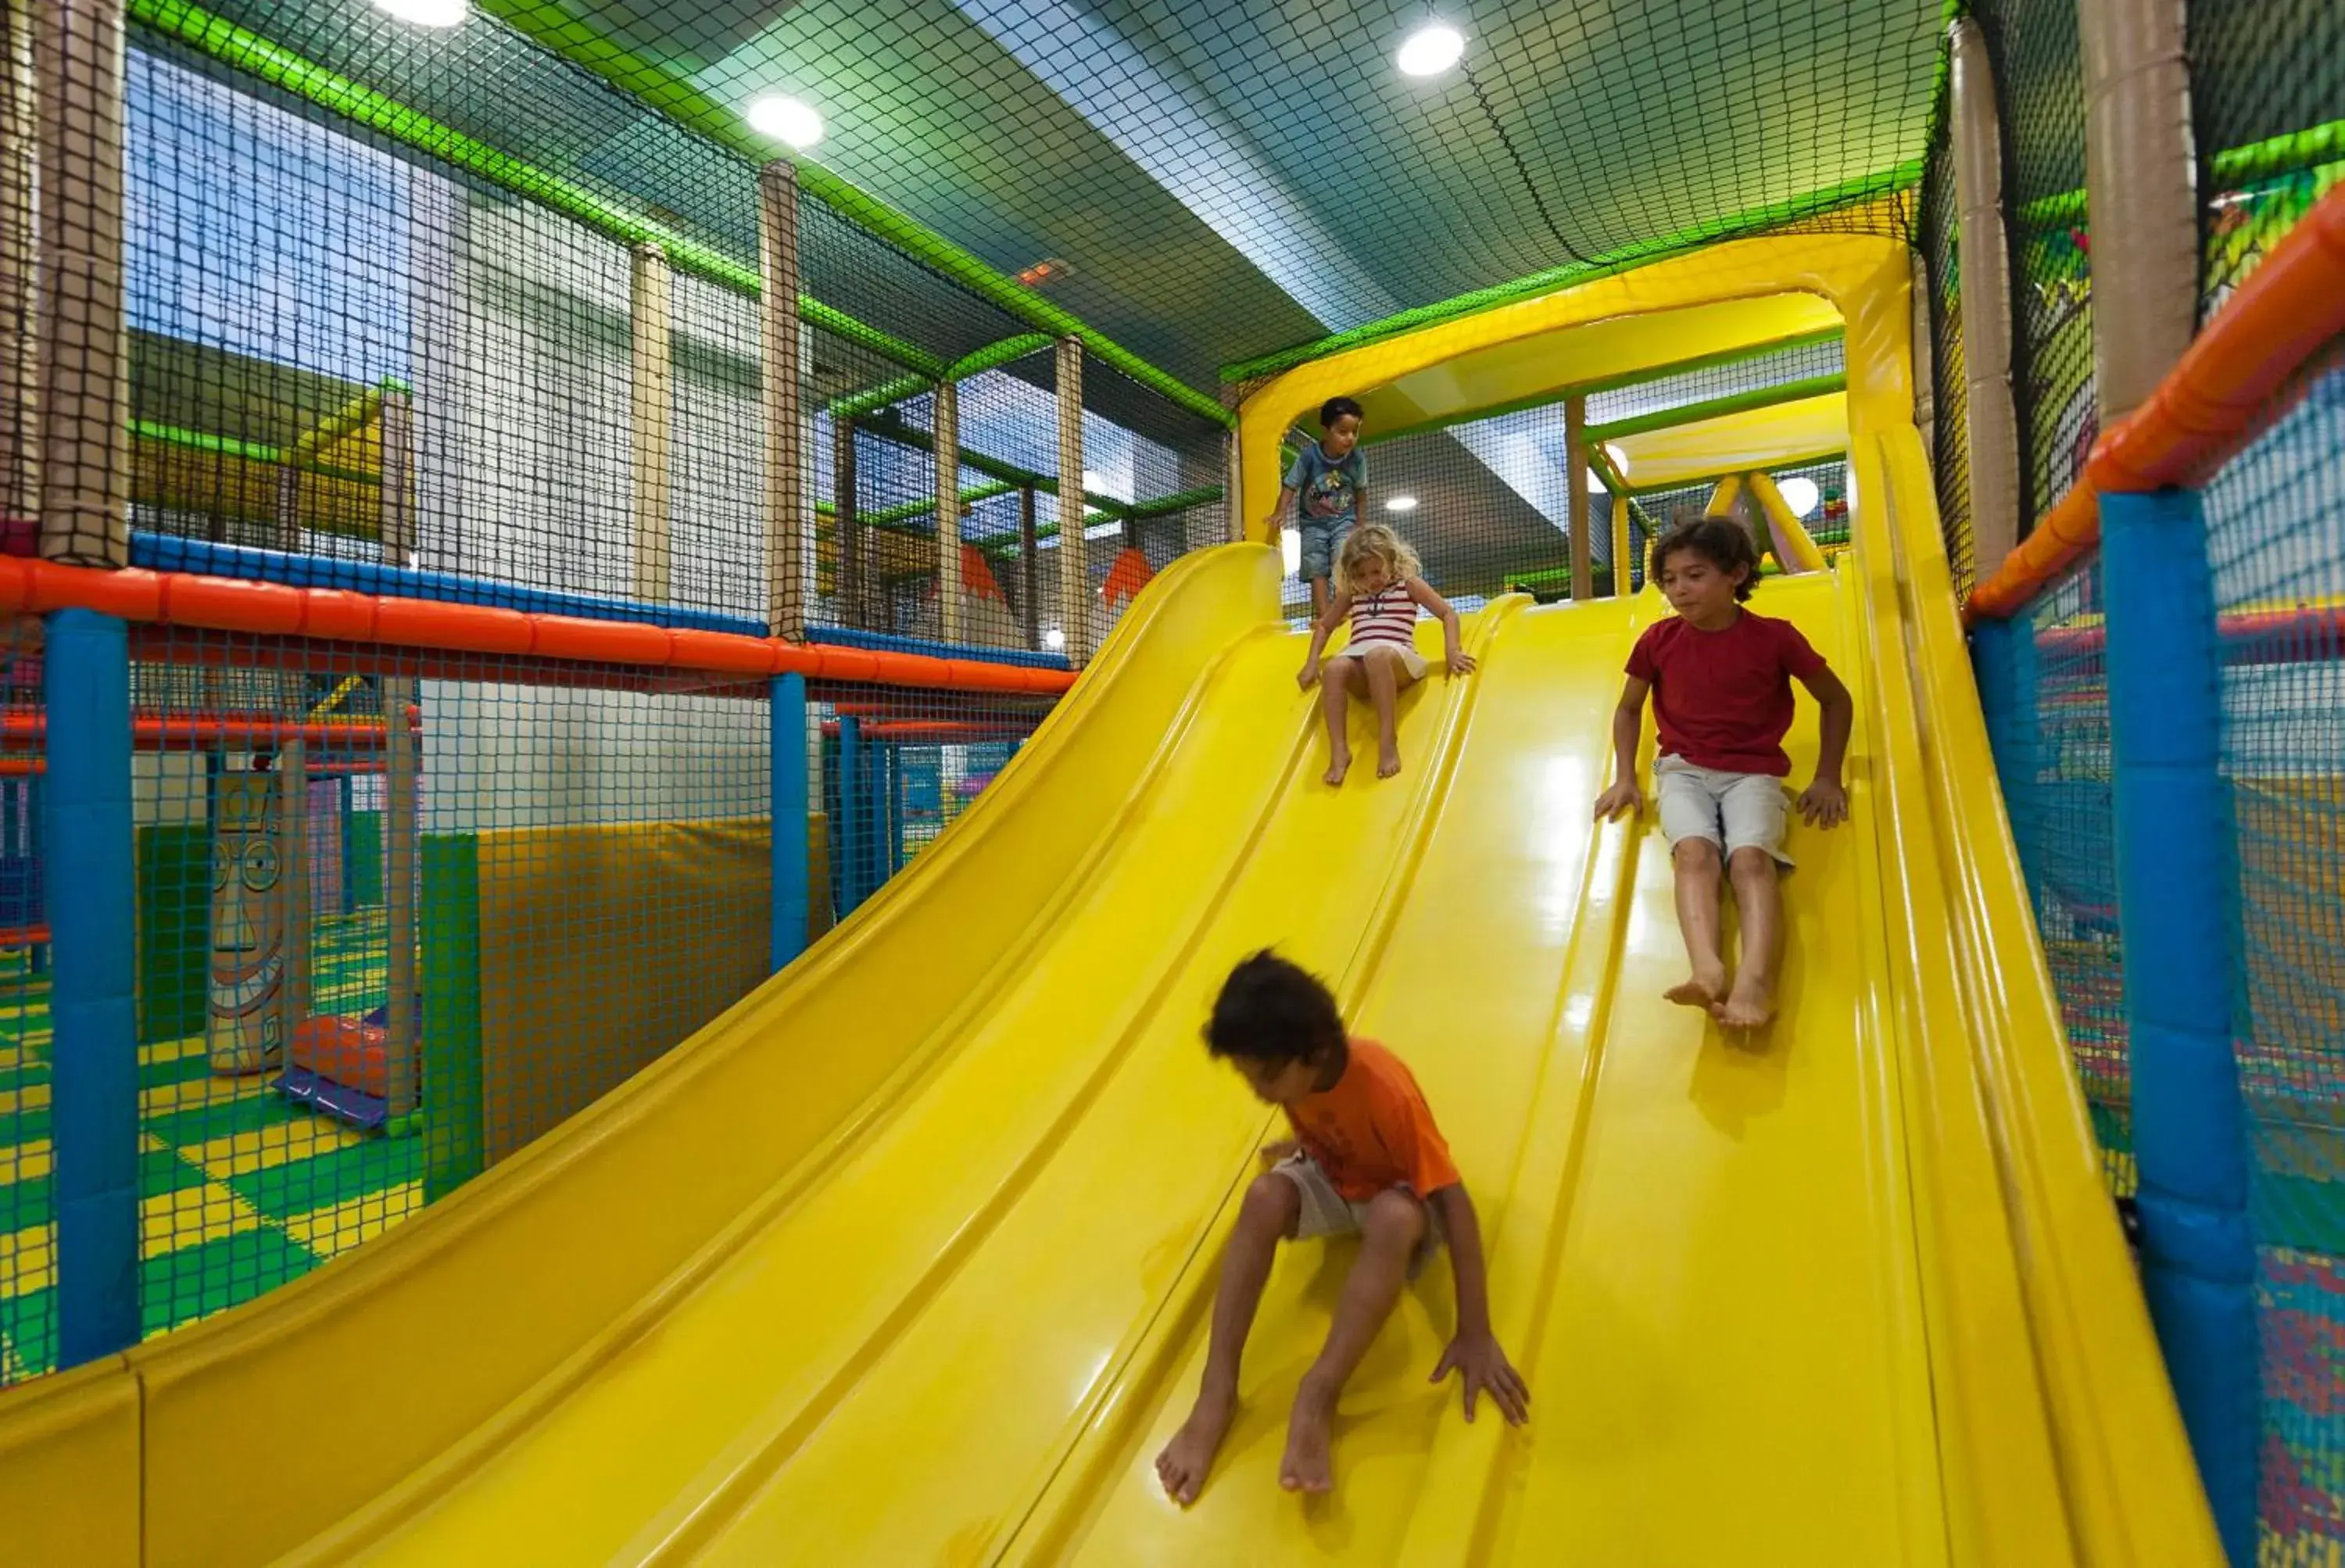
(1732, 810)
(1326, 1212)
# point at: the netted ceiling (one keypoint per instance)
(1219, 180)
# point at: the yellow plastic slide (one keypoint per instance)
(908, 1257)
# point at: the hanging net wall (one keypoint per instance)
(2268, 114)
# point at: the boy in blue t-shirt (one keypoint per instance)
(1326, 489)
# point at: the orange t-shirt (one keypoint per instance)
(1374, 1130)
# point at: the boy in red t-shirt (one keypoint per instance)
(1721, 683)
(1366, 1159)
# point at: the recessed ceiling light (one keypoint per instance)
(786, 119)
(1800, 495)
(1430, 50)
(1400, 503)
(1054, 639)
(425, 13)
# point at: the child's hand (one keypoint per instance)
(1309, 676)
(1460, 662)
(1823, 804)
(1623, 796)
(1278, 1151)
(1483, 1368)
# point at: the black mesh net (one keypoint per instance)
(1949, 431)
(2268, 110)
(2039, 86)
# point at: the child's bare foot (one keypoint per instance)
(1338, 764)
(1183, 1465)
(1308, 1432)
(1705, 989)
(1751, 1005)
(1387, 761)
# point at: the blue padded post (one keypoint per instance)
(2002, 653)
(895, 861)
(2177, 890)
(792, 850)
(85, 841)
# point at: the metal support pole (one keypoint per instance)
(401, 823)
(1624, 564)
(2178, 898)
(1575, 441)
(1030, 600)
(787, 542)
(945, 432)
(846, 587)
(651, 411)
(1983, 253)
(1074, 578)
(2141, 192)
(20, 363)
(86, 850)
(84, 363)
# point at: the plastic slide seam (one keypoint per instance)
(1976, 1513)
(1490, 1510)
(1185, 1290)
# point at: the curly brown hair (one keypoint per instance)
(1723, 541)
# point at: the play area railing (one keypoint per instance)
(409, 882)
(2162, 666)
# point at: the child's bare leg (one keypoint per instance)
(1336, 678)
(1318, 597)
(1386, 676)
(1395, 1223)
(1273, 1205)
(1698, 917)
(1759, 903)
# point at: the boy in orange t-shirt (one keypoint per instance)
(1366, 1159)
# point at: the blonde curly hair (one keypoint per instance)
(1375, 541)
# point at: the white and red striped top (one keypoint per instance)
(1386, 618)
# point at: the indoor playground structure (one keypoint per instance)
(651, 675)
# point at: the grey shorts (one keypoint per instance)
(1732, 810)
(1326, 1212)
(1321, 539)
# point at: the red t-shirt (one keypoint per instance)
(1723, 699)
(1374, 1130)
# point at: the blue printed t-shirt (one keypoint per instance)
(1325, 491)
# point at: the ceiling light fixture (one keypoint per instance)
(1400, 503)
(426, 13)
(1430, 50)
(786, 119)
(1054, 639)
(1800, 494)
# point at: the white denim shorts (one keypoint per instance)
(1732, 810)
(1410, 659)
(1326, 1212)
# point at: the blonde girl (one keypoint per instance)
(1378, 586)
